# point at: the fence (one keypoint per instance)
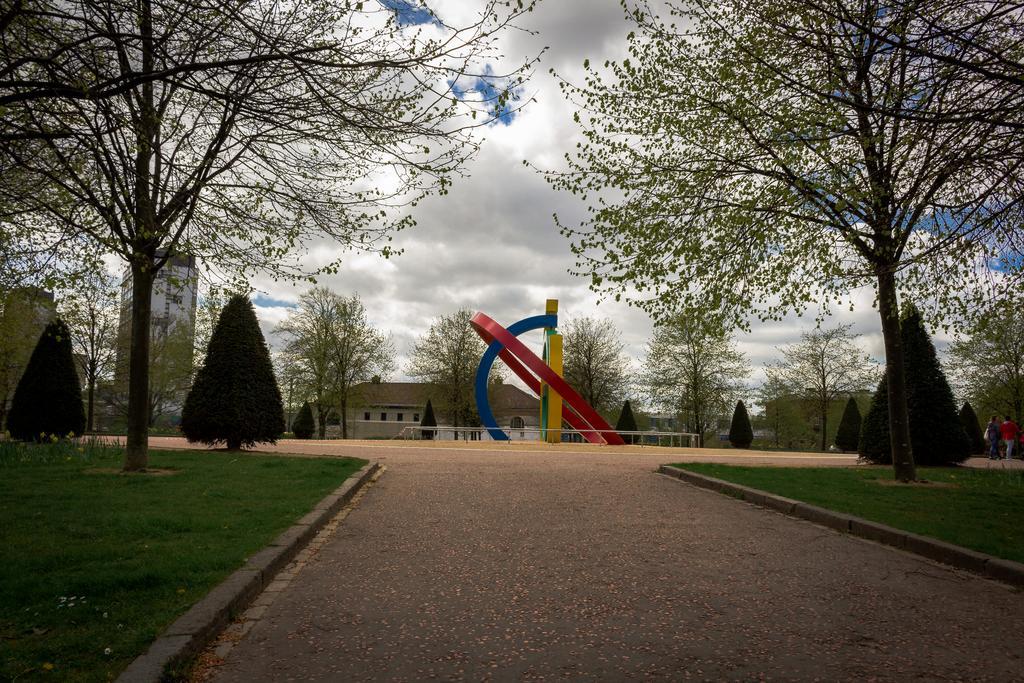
(442, 433)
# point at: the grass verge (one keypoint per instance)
(95, 564)
(977, 509)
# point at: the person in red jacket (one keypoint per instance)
(1009, 431)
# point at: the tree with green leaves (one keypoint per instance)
(972, 428)
(757, 159)
(593, 361)
(693, 370)
(781, 412)
(171, 369)
(848, 436)
(48, 398)
(92, 312)
(235, 399)
(741, 434)
(627, 423)
(309, 337)
(235, 133)
(986, 360)
(824, 366)
(288, 371)
(936, 433)
(428, 421)
(334, 347)
(303, 425)
(447, 357)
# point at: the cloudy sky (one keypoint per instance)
(491, 244)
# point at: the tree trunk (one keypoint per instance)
(322, 422)
(137, 443)
(344, 419)
(91, 399)
(824, 426)
(899, 423)
(234, 444)
(136, 451)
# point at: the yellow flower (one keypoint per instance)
(47, 666)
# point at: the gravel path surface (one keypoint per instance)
(467, 564)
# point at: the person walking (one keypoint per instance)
(1009, 431)
(992, 437)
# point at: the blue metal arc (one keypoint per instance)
(483, 406)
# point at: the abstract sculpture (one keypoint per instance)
(558, 400)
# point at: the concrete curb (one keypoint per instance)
(996, 568)
(196, 628)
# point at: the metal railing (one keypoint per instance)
(519, 434)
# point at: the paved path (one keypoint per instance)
(533, 565)
(651, 456)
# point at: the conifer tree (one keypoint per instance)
(848, 435)
(741, 435)
(874, 430)
(48, 398)
(235, 398)
(936, 434)
(428, 421)
(969, 420)
(627, 423)
(303, 425)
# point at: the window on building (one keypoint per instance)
(383, 417)
(415, 417)
(518, 423)
(366, 416)
(398, 416)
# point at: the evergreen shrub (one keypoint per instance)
(937, 436)
(303, 425)
(848, 435)
(741, 434)
(47, 401)
(627, 423)
(235, 398)
(428, 421)
(969, 420)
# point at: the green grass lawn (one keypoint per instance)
(94, 565)
(978, 509)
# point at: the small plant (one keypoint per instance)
(741, 434)
(54, 449)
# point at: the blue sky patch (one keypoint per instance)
(488, 87)
(409, 12)
(264, 301)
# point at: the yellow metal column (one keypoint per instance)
(550, 308)
(553, 430)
